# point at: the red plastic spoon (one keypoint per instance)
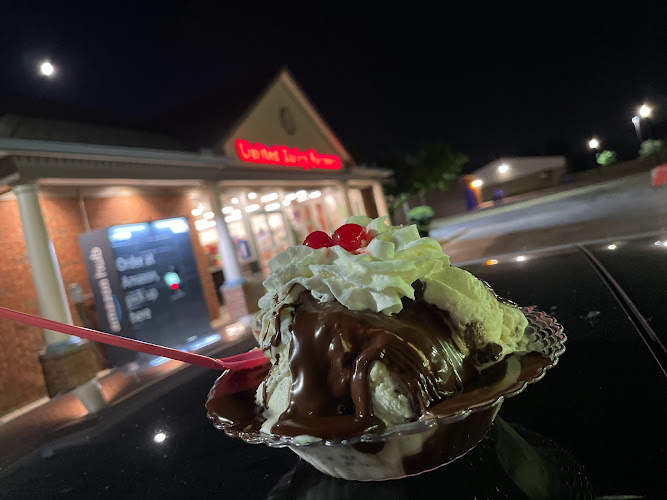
(247, 361)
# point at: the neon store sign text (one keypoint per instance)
(286, 156)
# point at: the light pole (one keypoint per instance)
(594, 144)
(638, 128)
(644, 112)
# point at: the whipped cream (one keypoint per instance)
(378, 276)
(375, 277)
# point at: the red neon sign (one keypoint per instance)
(283, 155)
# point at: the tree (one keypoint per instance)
(607, 157)
(651, 147)
(433, 167)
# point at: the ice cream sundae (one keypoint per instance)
(373, 340)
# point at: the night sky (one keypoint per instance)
(513, 79)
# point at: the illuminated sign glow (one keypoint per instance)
(283, 155)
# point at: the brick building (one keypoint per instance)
(253, 170)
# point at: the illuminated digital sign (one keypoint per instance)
(146, 284)
(286, 156)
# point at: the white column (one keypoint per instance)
(346, 197)
(45, 273)
(380, 202)
(230, 264)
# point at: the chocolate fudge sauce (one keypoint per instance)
(332, 352)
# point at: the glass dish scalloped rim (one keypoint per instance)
(548, 338)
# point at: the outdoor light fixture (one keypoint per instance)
(491, 262)
(159, 437)
(644, 111)
(477, 183)
(593, 143)
(503, 168)
(635, 120)
(521, 258)
(612, 247)
(46, 68)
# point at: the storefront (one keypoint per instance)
(243, 202)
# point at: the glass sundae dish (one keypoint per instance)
(385, 360)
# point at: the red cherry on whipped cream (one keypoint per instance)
(351, 237)
(318, 239)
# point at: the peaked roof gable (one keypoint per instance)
(283, 115)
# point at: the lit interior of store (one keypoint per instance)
(264, 221)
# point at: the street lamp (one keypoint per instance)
(644, 111)
(46, 69)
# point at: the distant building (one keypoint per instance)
(509, 176)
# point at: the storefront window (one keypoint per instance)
(265, 221)
(315, 209)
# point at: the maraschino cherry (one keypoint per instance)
(318, 239)
(351, 237)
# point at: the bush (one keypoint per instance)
(651, 147)
(422, 217)
(607, 157)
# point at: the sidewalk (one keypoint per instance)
(30, 425)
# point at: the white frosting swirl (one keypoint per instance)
(376, 277)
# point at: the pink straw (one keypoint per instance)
(106, 338)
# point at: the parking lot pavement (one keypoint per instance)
(619, 208)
